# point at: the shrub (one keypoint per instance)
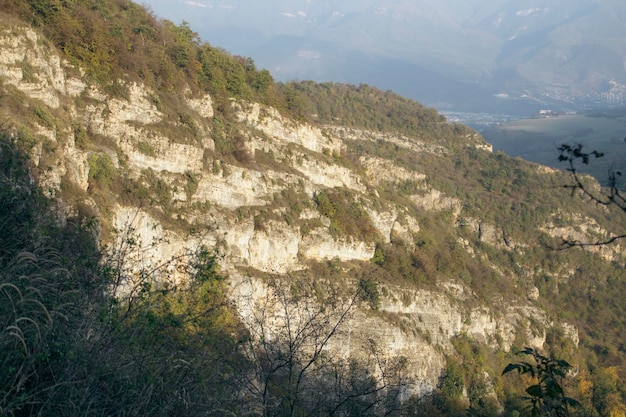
(29, 73)
(347, 216)
(101, 169)
(368, 289)
(145, 148)
(46, 119)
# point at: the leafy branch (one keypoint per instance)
(612, 196)
(546, 396)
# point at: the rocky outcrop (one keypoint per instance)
(29, 63)
(223, 199)
(273, 124)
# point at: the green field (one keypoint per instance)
(537, 140)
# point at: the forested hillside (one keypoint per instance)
(181, 234)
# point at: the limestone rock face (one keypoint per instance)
(320, 245)
(203, 105)
(256, 208)
(275, 253)
(272, 123)
(239, 187)
(29, 63)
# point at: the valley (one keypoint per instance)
(537, 139)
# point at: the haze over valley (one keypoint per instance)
(477, 56)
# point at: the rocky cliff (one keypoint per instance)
(154, 166)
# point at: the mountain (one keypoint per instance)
(180, 232)
(489, 56)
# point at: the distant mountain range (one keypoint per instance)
(462, 55)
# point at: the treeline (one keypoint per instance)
(116, 41)
(369, 108)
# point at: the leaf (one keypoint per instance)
(521, 367)
(554, 390)
(512, 367)
(534, 391)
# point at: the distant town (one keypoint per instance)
(478, 121)
(613, 94)
(555, 102)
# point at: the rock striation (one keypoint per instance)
(244, 210)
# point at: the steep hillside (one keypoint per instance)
(324, 205)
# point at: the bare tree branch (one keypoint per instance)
(294, 371)
(613, 196)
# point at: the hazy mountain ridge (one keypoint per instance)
(539, 53)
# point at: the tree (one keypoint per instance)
(546, 395)
(293, 372)
(610, 197)
(162, 344)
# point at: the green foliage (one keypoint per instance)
(44, 117)
(546, 396)
(230, 142)
(69, 346)
(452, 382)
(91, 335)
(116, 40)
(158, 189)
(81, 137)
(368, 289)
(346, 214)
(101, 169)
(47, 280)
(145, 148)
(379, 255)
(406, 264)
(29, 74)
(184, 39)
(191, 184)
(367, 107)
(472, 369)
